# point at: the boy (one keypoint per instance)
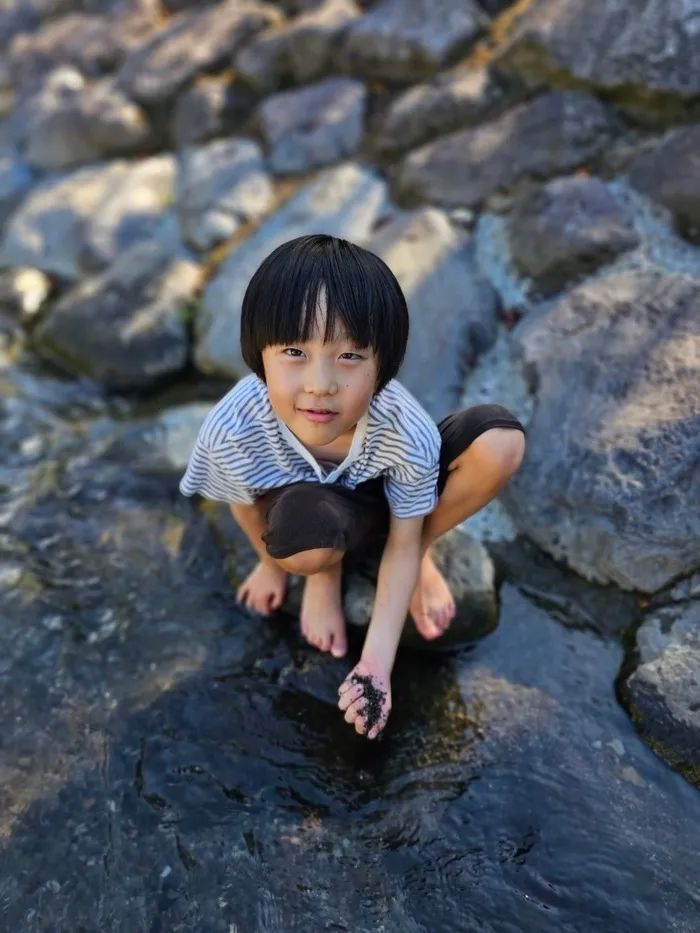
(321, 450)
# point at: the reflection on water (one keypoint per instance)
(171, 764)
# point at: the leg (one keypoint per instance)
(472, 479)
(321, 617)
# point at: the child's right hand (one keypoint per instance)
(264, 589)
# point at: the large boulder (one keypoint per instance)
(610, 472)
(315, 125)
(219, 187)
(452, 101)
(550, 135)
(73, 123)
(195, 42)
(213, 106)
(126, 328)
(635, 49)
(663, 692)
(669, 173)
(408, 40)
(298, 52)
(453, 309)
(567, 228)
(346, 201)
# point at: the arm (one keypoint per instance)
(369, 684)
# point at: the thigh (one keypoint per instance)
(305, 516)
(460, 430)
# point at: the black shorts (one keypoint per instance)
(304, 515)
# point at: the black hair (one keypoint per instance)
(361, 293)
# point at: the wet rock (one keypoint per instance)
(668, 173)
(16, 178)
(314, 126)
(195, 42)
(127, 327)
(452, 101)
(453, 309)
(345, 201)
(211, 107)
(46, 231)
(664, 691)
(550, 135)
(135, 208)
(405, 40)
(219, 187)
(73, 123)
(605, 483)
(566, 229)
(615, 46)
(300, 51)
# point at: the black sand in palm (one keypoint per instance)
(374, 698)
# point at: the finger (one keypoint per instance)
(360, 725)
(277, 600)
(354, 693)
(354, 710)
(346, 685)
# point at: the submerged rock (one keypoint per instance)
(345, 201)
(611, 462)
(548, 136)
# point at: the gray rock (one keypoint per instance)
(607, 481)
(125, 328)
(134, 209)
(213, 106)
(194, 42)
(669, 174)
(454, 100)
(177, 430)
(46, 231)
(220, 186)
(300, 51)
(345, 201)
(453, 309)
(551, 135)
(664, 690)
(16, 179)
(568, 228)
(644, 49)
(314, 126)
(407, 40)
(73, 123)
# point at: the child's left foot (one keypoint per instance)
(432, 606)
(322, 619)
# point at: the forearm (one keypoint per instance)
(398, 574)
(249, 518)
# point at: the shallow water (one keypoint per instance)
(170, 764)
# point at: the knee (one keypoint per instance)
(497, 452)
(306, 563)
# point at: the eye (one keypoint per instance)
(348, 355)
(294, 352)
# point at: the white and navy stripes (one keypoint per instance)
(244, 450)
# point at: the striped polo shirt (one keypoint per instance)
(243, 450)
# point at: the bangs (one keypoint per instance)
(311, 277)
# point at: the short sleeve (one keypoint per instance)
(411, 489)
(216, 475)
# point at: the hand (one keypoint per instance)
(365, 695)
(264, 589)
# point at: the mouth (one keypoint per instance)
(319, 415)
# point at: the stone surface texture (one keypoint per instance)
(212, 107)
(314, 126)
(566, 229)
(612, 448)
(125, 328)
(346, 201)
(551, 135)
(219, 186)
(407, 40)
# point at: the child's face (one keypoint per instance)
(320, 390)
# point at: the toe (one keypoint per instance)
(339, 646)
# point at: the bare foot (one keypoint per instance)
(432, 606)
(322, 619)
(264, 589)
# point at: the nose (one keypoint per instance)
(320, 379)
